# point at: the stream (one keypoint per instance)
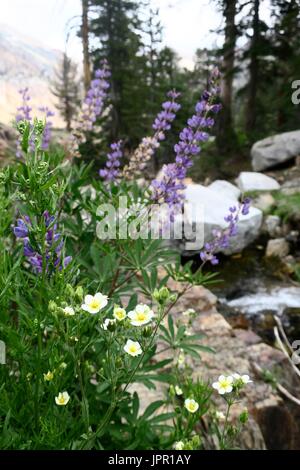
(253, 288)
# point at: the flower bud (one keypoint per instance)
(52, 306)
(173, 298)
(147, 332)
(161, 295)
(69, 291)
(79, 294)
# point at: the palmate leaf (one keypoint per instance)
(154, 406)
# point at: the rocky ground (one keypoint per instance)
(274, 420)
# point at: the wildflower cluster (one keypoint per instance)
(24, 114)
(42, 254)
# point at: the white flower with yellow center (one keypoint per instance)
(191, 405)
(107, 322)
(141, 315)
(119, 313)
(49, 376)
(178, 390)
(133, 348)
(224, 384)
(179, 445)
(62, 399)
(94, 303)
(69, 311)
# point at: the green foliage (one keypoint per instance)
(70, 354)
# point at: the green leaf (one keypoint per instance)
(152, 408)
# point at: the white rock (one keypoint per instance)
(278, 247)
(275, 149)
(215, 206)
(226, 188)
(253, 181)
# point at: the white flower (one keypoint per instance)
(133, 348)
(191, 405)
(119, 313)
(179, 445)
(244, 378)
(220, 416)
(94, 303)
(236, 376)
(141, 315)
(189, 311)
(108, 321)
(69, 311)
(49, 376)
(224, 384)
(62, 398)
(178, 390)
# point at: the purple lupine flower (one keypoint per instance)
(92, 108)
(221, 238)
(112, 170)
(24, 110)
(94, 101)
(169, 188)
(53, 244)
(48, 127)
(148, 146)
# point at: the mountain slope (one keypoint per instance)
(24, 63)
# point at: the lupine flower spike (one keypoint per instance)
(148, 146)
(169, 188)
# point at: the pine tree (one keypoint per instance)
(286, 43)
(116, 28)
(226, 135)
(66, 88)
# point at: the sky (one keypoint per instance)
(187, 23)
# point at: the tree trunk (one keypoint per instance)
(225, 136)
(85, 45)
(253, 69)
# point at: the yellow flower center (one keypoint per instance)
(141, 317)
(94, 303)
(61, 400)
(133, 348)
(192, 406)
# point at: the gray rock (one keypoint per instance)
(254, 181)
(271, 225)
(278, 247)
(275, 149)
(215, 206)
(226, 188)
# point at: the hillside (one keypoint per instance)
(24, 63)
